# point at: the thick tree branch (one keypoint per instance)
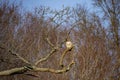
(13, 71)
(65, 69)
(35, 69)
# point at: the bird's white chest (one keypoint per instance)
(69, 44)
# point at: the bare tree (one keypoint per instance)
(25, 44)
(111, 12)
(66, 44)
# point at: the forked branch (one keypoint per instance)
(33, 67)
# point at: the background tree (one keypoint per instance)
(35, 41)
(111, 14)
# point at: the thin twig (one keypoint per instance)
(13, 53)
(49, 42)
(21, 58)
(46, 57)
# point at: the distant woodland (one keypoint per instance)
(33, 43)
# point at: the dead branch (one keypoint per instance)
(46, 57)
(54, 49)
(63, 55)
(21, 58)
(35, 69)
(49, 42)
(15, 54)
(13, 71)
(65, 69)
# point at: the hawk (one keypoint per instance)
(69, 45)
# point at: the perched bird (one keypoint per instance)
(69, 45)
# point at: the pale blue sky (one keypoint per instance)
(54, 4)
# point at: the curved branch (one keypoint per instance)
(63, 55)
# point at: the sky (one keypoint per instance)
(54, 4)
